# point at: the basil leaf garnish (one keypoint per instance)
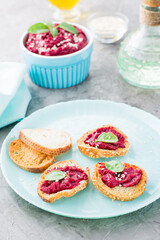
(107, 138)
(68, 28)
(49, 26)
(55, 175)
(38, 28)
(114, 166)
(53, 31)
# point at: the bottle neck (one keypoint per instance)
(150, 30)
(152, 9)
(149, 16)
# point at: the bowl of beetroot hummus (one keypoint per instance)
(58, 62)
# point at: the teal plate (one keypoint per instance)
(77, 117)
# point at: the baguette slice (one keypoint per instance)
(97, 152)
(65, 193)
(27, 158)
(119, 193)
(49, 141)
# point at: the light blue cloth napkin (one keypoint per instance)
(14, 94)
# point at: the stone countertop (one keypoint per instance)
(18, 218)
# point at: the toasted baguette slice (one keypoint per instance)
(49, 141)
(27, 158)
(65, 193)
(119, 193)
(98, 153)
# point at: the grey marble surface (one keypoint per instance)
(18, 218)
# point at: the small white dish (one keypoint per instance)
(108, 27)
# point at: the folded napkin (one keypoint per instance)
(14, 94)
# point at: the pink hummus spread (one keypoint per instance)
(74, 177)
(102, 145)
(64, 43)
(129, 177)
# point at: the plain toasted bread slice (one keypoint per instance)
(49, 141)
(97, 152)
(27, 158)
(65, 193)
(119, 193)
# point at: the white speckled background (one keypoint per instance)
(21, 220)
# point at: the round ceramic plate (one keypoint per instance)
(77, 117)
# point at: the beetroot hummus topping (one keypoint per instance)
(64, 43)
(91, 139)
(73, 177)
(129, 177)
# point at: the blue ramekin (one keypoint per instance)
(58, 71)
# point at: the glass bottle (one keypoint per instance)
(139, 54)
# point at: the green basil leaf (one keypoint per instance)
(107, 138)
(38, 28)
(53, 31)
(114, 166)
(55, 175)
(68, 28)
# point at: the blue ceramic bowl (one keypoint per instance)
(58, 71)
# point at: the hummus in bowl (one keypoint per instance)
(64, 43)
(60, 62)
